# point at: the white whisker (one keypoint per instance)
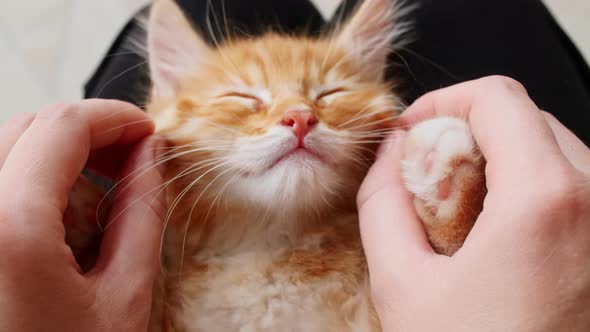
(142, 170)
(372, 123)
(152, 190)
(118, 76)
(193, 209)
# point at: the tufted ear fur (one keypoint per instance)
(371, 34)
(175, 49)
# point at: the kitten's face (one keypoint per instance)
(279, 121)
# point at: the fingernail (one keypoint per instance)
(159, 150)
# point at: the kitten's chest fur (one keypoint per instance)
(314, 282)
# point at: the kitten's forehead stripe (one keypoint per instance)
(276, 60)
(265, 96)
(255, 73)
(262, 68)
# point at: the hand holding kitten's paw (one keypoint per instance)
(444, 170)
(530, 247)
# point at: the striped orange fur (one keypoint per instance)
(257, 238)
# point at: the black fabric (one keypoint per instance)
(455, 40)
(460, 40)
(124, 75)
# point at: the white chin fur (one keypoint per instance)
(296, 182)
(290, 184)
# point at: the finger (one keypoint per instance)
(11, 131)
(572, 147)
(508, 127)
(458, 100)
(50, 155)
(131, 243)
(392, 234)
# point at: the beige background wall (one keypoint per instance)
(46, 53)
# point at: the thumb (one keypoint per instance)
(571, 146)
(131, 242)
(391, 232)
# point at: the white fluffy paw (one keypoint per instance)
(442, 167)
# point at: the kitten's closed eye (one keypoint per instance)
(241, 95)
(254, 101)
(327, 96)
(251, 100)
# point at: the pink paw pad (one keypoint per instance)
(444, 189)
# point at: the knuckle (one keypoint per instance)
(504, 82)
(559, 192)
(362, 195)
(152, 202)
(548, 116)
(17, 245)
(560, 195)
(61, 112)
(19, 234)
(379, 298)
(22, 120)
(382, 288)
(138, 298)
(550, 119)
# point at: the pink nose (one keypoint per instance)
(300, 120)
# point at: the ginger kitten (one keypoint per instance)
(271, 139)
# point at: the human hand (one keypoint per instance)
(41, 156)
(525, 266)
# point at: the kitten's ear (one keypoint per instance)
(371, 33)
(175, 49)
